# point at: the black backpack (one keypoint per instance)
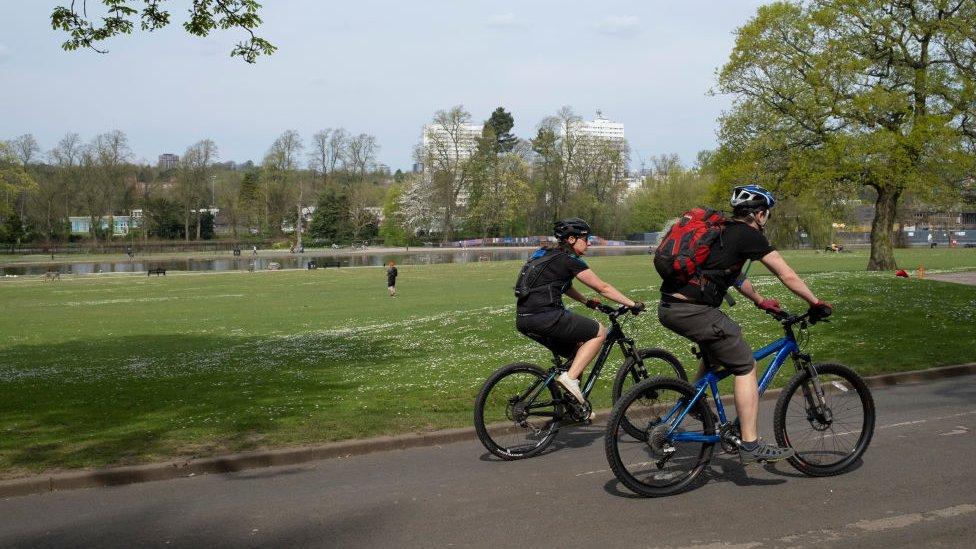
(525, 284)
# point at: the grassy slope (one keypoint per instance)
(126, 369)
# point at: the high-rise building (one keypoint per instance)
(603, 128)
(444, 144)
(168, 161)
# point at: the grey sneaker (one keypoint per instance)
(764, 452)
(572, 386)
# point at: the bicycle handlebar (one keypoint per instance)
(613, 312)
(788, 319)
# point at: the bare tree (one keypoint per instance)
(663, 165)
(448, 145)
(361, 153)
(111, 154)
(282, 163)
(336, 147)
(26, 148)
(67, 156)
(195, 172)
(318, 158)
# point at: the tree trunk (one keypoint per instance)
(298, 224)
(882, 252)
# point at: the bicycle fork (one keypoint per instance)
(817, 409)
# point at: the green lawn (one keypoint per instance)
(127, 369)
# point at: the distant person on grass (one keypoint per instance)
(545, 278)
(391, 274)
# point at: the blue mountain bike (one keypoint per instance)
(825, 413)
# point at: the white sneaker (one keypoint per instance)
(571, 385)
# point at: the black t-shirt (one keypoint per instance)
(558, 276)
(739, 242)
(391, 274)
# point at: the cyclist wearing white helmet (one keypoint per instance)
(692, 310)
(545, 278)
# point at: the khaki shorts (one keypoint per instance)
(712, 330)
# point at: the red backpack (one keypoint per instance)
(684, 249)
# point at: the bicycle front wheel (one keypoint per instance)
(516, 413)
(828, 436)
(656, 362)
(654, 464)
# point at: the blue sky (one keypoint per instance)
(377, 66)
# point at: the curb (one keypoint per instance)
(229, 463)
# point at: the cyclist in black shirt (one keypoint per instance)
(693, 310)
(391, 274)
(542, 316)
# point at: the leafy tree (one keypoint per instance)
(14, 179)
(164, 218)
(393, 231)
(832, 94)
(501, 123)
(207, 226)
(12, 230)
(249, 198)
(119, 17)
(331, 218)
(548, 186)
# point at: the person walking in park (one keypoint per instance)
(391, 274)
(540, 313)
(691, 308)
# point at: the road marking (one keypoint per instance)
(902, 521)
(907, 423)
(963, 430)
(853, 530)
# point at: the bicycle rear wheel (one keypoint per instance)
(828, 439)
(653, 464)
(516, 416)
(657, 362)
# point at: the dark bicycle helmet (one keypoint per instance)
(751, 198)
(573, 226)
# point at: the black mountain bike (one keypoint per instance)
(521, 407)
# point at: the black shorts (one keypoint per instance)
(561, 331)
(712, 330)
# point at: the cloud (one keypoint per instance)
(505, 21)
(4, 52)
(623, 26)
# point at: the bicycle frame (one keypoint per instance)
(615, 335)
(784, 347)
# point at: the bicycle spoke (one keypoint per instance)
(513, 423)
(828, 440)
(649, 460)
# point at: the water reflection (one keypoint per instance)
(296, 261)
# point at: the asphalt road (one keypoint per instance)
(915, 486)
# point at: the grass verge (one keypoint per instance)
(128, 369)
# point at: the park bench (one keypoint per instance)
(335, 264)
(156, 271)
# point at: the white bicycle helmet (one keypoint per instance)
(752, 198)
